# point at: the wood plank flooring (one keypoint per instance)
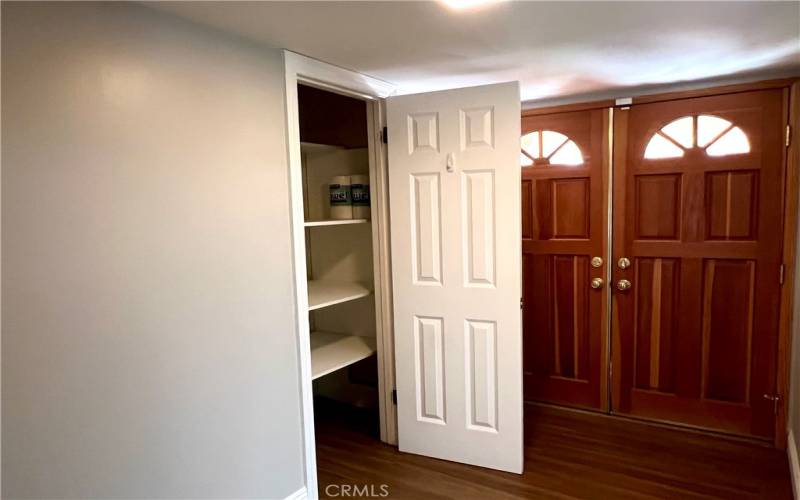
(567, 455)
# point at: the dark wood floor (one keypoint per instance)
(567, 455)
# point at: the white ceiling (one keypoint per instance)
(556, 49)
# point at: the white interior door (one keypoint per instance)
(454, 185)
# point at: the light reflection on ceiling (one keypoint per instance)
(555, 50)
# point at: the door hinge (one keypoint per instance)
(780, 275)
(520, 303)
(385, 135)
(394, 396)
(775, 400)
(788, 135)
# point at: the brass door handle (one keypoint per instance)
(623, 263)
(597, 283)
(623, 285)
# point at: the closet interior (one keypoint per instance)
(337, 209)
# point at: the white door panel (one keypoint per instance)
(454, 182)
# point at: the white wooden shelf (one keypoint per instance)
(327, 293)
(332, 351)
(312, 147)
(317, 223)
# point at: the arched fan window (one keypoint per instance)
(546, 147)
(717, 136)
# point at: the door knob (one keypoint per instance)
(597, 283)
(623, 285)
(597, 261)
(623, 263)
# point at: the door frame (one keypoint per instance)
(791, 164)
(308, 71)
(790, 221)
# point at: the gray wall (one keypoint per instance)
(148, 345)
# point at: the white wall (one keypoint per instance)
(148, 345)
(794, 377)
(793, 422)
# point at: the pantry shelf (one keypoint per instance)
(311, 148)
(332, 222)
(323, 293)
(332, 351)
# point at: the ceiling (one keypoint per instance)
(557, 50)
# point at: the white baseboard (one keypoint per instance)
(794, 464)
(300, 494)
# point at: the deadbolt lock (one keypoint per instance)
(597, 261)
(623, 263)
(597, 283)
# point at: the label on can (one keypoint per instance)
(360, 195)
(340, 195)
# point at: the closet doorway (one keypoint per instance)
(677, 320)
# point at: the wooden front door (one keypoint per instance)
(564, 228)
(698, 202)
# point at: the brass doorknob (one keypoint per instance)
(597, 283)
(623, 263)
(623, 285)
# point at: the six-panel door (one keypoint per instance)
(455, 216)
(698, 203)
(563, 251)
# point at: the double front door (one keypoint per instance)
(652, 259)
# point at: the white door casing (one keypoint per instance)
(454, 189)
(302, 69)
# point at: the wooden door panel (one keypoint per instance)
(697, 330)
(656, 323)
(527, 211)
(728, 288)
(570, 208)
(556, 209)
(731, 205)
(563, 227)
(559, 347)
(658, 206)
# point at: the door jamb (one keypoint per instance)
(607, 363)
(790, 221)
(302, 69)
